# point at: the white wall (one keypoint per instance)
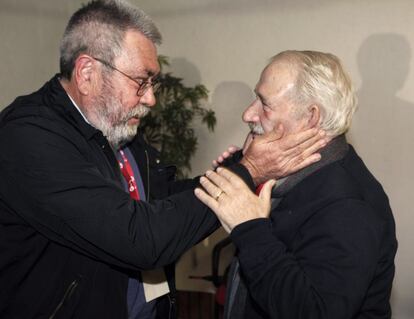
(225, 45)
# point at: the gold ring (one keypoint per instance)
(219, 194)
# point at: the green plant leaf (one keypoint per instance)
(168, 127)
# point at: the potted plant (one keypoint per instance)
(168, 127)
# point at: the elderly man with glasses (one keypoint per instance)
(85, 204)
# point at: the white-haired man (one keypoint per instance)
(324, 246)
(78, 216)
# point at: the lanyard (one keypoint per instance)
(128, 174)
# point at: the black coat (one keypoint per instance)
(70, 236)
(327, 251)
(159, 182)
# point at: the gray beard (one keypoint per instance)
(112, 121)
(121, 132)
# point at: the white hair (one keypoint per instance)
(321, 80)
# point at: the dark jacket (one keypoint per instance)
(327, 250)
(69, 234)
(159, 182)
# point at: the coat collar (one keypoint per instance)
(59, 99)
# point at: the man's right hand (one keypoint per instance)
(225, 155)
(275, 155)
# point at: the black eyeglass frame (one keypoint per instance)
(143, 85)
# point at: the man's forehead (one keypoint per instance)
(140, 54)
(276, 80)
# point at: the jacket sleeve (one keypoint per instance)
(186, 184)
(327, 272)
(50, 184)
(165, 184)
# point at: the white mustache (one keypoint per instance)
(256, 128)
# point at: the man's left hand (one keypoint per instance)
(231, 199)
(225, 155)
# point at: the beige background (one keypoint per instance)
(224, 44)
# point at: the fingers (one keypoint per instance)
(231, 180)
(212, 189)
(206, 199)
(217, 162)
(305, 153)
(265, 196)
(226, 154)
(266, 191)
(222, 179)
(312, 148)
(233, 149)
(308, 147)
(214, 183)
(301, 137)
(223, 156)
(213, 205)
(302, 163)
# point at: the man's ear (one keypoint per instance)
(314, 115)
(84, 71)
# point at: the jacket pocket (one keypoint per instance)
(70, 290)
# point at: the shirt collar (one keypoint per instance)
(77, 107)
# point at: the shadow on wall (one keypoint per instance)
(190, 75)
(229, 100)
(186, 70)
(383, 134)
(382, 128)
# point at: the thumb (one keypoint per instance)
(233, 148)
(266, 191)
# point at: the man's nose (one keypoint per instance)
(251, 114)
(148, 99)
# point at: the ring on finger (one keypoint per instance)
(219, 194)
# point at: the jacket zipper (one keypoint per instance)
(68, 293)
(171, 300)
(172, 305)
(148, 176)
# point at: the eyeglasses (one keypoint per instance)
(143, 84)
